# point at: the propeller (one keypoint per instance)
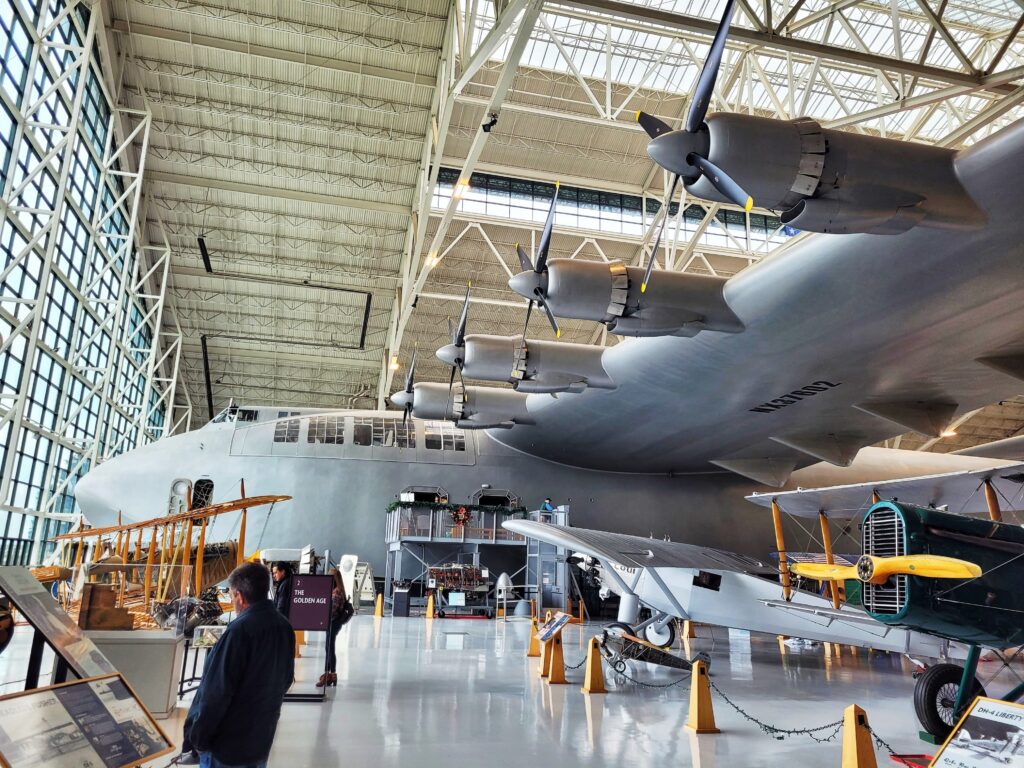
(529, 278)
(685, 152)
(657, 240)
(454, 354)
(877, 570)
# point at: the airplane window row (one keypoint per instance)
(369, 431)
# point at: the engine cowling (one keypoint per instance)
(468, 407)
(832, 181)
(674, 304)
(535, 366)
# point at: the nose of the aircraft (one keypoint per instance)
(448, 354)
(96, 495)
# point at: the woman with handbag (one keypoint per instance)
(341, 612)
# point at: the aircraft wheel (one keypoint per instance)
(664, 637)
(935, 697)
(618, 629)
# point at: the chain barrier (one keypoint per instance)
(781, 733)
(880, 742)
(577, 666)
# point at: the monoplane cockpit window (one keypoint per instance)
(442, 436)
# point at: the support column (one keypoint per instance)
(826, 538)
(780, 544)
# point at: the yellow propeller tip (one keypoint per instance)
(558, 184)
(558, 334)
(638, 113)
(749, 204)
(643, 287)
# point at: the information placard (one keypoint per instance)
(311, 602)
(44, 613)
(88, 723)
(551, 628)
(991, 733)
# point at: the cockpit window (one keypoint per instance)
(286, 430)
(441, 436)
(247, 414)
(234, 413)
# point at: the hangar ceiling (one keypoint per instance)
(315, 145)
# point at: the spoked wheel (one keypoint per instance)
(618, 629)
(935, 698)
(663, 638)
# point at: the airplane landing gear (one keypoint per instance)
(937, 699)
(664, 637)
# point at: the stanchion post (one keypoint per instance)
(858, 751)
(593, 675)
(702, 714)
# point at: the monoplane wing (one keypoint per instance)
(960, 492)
(638, 552)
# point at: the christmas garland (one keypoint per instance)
(454, 509)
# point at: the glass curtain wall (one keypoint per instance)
(76, 382)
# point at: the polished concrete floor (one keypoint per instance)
(462, 693)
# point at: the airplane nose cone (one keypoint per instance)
(671, 149)
(94, 497)
(448, 354)
(402, 399)
(526, 283)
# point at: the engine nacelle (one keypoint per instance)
(469, 407)
(675, 304)
(832, 181)
(536, 366)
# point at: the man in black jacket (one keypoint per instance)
(236, 708)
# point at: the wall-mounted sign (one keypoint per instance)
(991, 733)
(311, 602)
(98, 721)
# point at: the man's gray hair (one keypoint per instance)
(251, 581)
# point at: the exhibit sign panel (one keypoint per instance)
(39, 608)
(990, 733)
(311, 602)
(553, 627)
(92, 723)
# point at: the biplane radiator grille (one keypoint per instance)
(884, 535)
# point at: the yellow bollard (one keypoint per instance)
(545, 651)
(534, 650)
(378, 607)
(702, 714)
(593, 673)
(688, 631)
(581, 616)
(858, 751)
(556, 662)
(430, 606)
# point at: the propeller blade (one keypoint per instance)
(706, 82)
(526, 325)
(721, 181)
(451, 383)
(459, 339)
(824, 572)
(551, 317)
(657, 241)
(652, 125)
(411, 373)
(524, 259)
(545, 238)
(928, 566)
(405, 413)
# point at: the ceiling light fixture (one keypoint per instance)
(394, 363)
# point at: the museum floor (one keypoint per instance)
(462, 693)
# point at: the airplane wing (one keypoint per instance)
(638, 552)
(961, 492)
(842, 341)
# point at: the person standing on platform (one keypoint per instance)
(282, 573)
(234, 714)
(547, 506)
(341, 612)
